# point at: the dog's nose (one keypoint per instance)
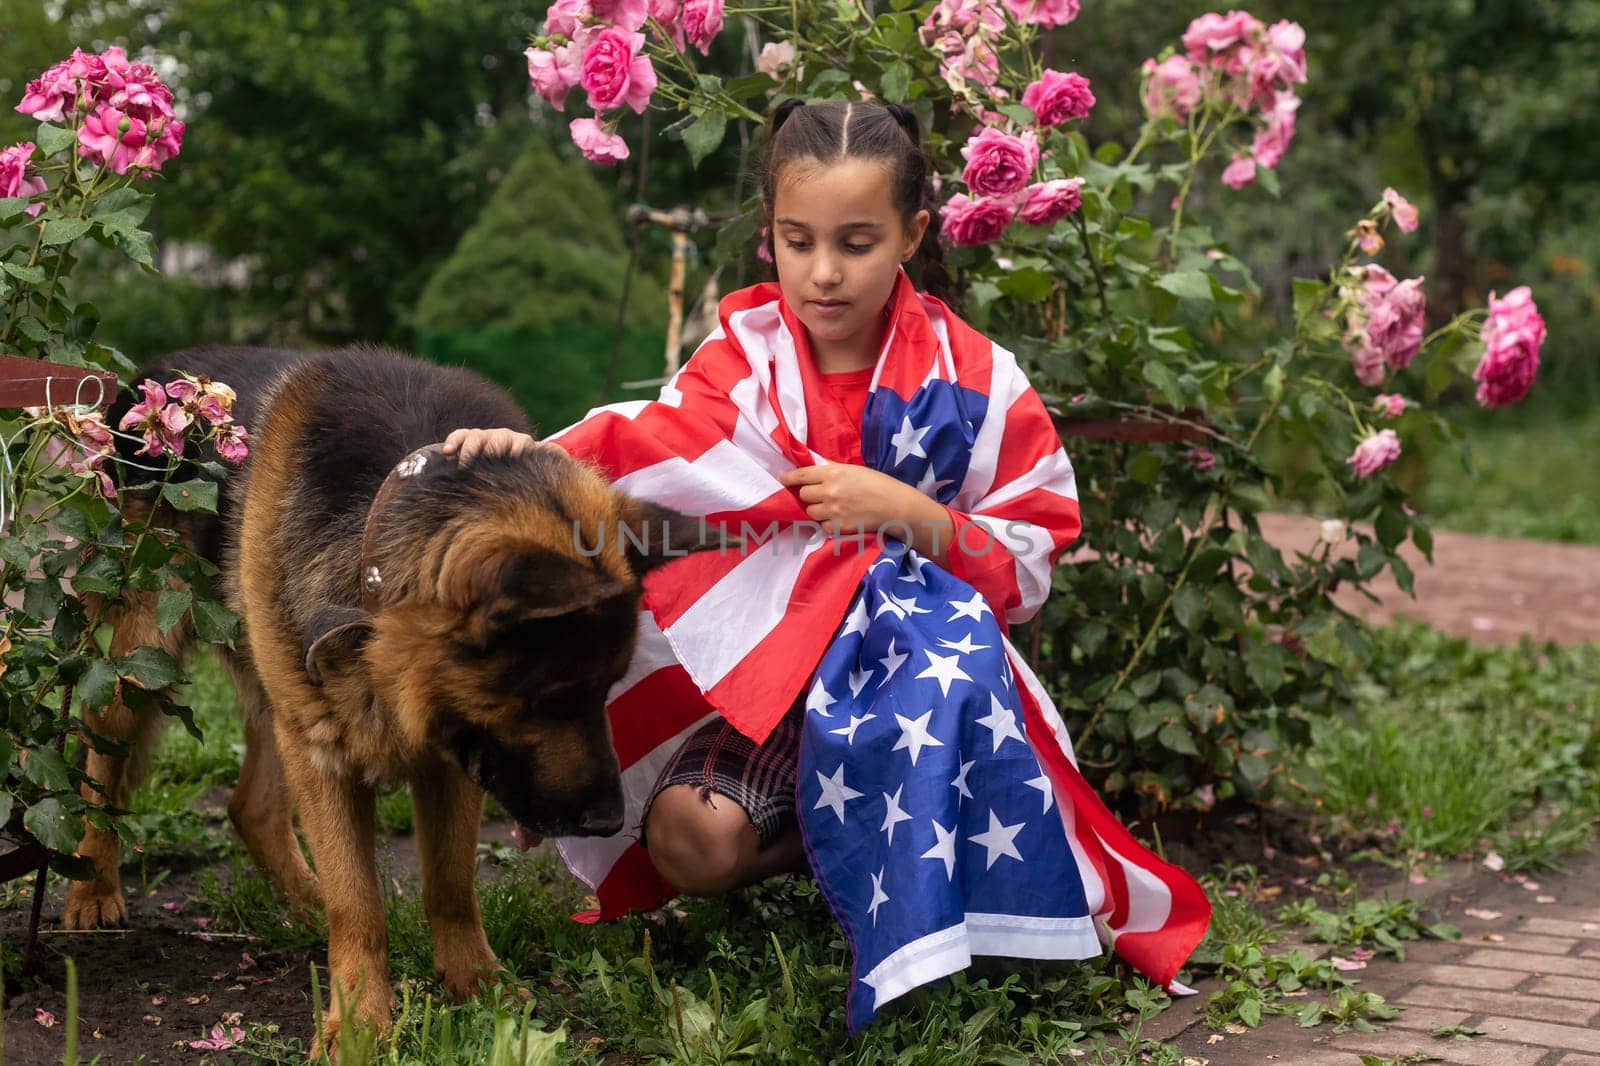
(602, 820)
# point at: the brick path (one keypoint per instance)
(1529, 979)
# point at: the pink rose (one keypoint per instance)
(702, 21)
(1241, 171)
(1375, 453)
(596, 144)
(1222, 41)
(110, 137)
(999, 164)
(1273, 139)
(1390, 404)
(627, 15)
(566, 17)
(49, 96)
(1204, 461)
(1056, 98)
(162, 423)
(1511, 337)
(1367, 236)
(669, 16)
(1405, 215)
(1047, 202)
(138, 91)
(17, 177)
(969, 61)
(1278, 63)
(1043, 12)
(1395, 314)
(232, 443)
(776, 59)
(1171, 88)
(614, 73)
(970, 222)
(552, 74)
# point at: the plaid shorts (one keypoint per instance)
(758, 777)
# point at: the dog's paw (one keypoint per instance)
(465, 968)
(89, 907)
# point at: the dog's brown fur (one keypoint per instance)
(485, 664)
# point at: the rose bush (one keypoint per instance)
(1186, 649)
(67, 555)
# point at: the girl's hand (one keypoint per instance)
(848, 500)
(490, 443)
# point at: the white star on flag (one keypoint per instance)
(960, 783)
(878, 895)
(974, 608)
(892, 661)
(945, 849)
(820, 699)
(998, 840)
(907, 604)
(858, 620)
(835, 793)
(892, 814)
(858, 681)
(1042, 783)
(915, 563)
(908, 441)
(944, 669)
(1005, 671)
(889, 603)
(849, 731)
(964, 645)
(914, 736)
(928, 486)
(1001, 722)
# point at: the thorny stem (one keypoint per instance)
(1094, 261)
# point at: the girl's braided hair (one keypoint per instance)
(835, 130)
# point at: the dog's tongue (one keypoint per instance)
(523, 838)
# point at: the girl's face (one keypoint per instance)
(838, 242)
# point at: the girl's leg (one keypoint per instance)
(705, 844)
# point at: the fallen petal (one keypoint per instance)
(1347, 964)
(44, 1017)
(1544, 899)
(1493, 861)
(1481, 914)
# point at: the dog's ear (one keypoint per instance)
(334, 637)
(653, 535)
(537, 584)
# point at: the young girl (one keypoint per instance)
(757, 734)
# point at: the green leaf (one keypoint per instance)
(1143, 721)
(1174, 736)
(215, 623)
(704, 135)
(195, 495)
(98, 684)
(1145, 467)
(1027, 283)
(59, 231)
(1187, 285)
(1264, 664)
(1189, 605)
(53, 139)
(1162, 377)
(172, 606)
(102, 574)
(14, 552)
(52, 826)
(1250, 1012)
(895, 81)
(1391, 526)
(33, 275)
(33, 329)
(6, 800)
(1254, 768)
(149, 668)
(46, 769)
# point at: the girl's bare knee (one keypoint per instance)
(695, 840)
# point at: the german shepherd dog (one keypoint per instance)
(405, 620)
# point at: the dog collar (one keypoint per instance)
(370, 575)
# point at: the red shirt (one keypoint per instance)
(834, 412)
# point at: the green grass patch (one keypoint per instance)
(1459, 749)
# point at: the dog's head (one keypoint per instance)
(505, 625)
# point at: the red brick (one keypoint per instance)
(1580, 1060)
(1559, 927)
(1468, 976)
(1424, 1018)
(1541, 1008)
(1517, 941)
(1542, 1034)
(1544, 965)
(1566, 988)
(1476, 1052)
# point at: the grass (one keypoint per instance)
(1458, 749)
(1529, 473)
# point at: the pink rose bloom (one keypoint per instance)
(232, 443)
(1047, 202)
(1278, 63)
(1405, 215)
(963, 17)
(702, 21)
(1395, 314)
(1272, 140)
(970, 61)
(999, 164)
(49, 96)
(614, 73)
(1367, 361)
(566, 17)
(597, 145)
(100, 141)
(162, 423)
(1171, 88)
(669, 15)
(626, 15)
(1375, 453)
(1043, 12)
(1511, 338)
(1057, 98)
(1390, 404)
(1367, 236)
(1204, 462)
(776, 59)
(551, 78)
(138, 90)
(1222, 41)
(1241, 171)
(17, 177)
(972, 222)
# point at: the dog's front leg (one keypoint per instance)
(448, 808)
(337, 817)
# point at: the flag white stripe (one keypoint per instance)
(1053, 470)
(723, 478)
(1029, 547)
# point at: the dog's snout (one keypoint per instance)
(602, 819)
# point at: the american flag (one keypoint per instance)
(935, 772)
